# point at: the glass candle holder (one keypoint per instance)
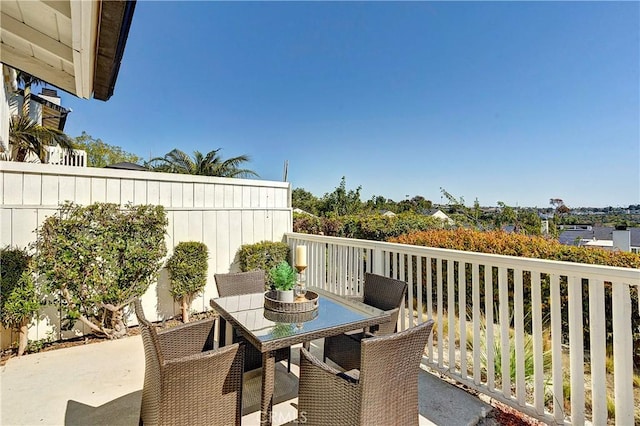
(301, 284)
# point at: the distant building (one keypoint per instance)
(605, 237)
(44, 109)
(438, 214)
(300, 211)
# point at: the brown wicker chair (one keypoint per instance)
(186, 380)
(233, 284)
(383, 293)
(383, 392)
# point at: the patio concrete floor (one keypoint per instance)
(101, 383)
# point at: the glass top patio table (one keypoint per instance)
(246, 313)
(335, 315)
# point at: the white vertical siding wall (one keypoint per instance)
(222, 213)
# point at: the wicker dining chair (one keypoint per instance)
(381, 292)
(187, 380)
(383, 392)
(236, 283)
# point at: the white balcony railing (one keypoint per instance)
(536, 307)
(59, 156)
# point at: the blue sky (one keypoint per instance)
(517, 102)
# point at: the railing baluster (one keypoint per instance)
(440, 314)
(576, 350)
(556, 349)
(429, 281)
(488, 312)
(623, 354)
(518, 314)
(475, 282)
(537, 336)
(503, 295)
(410, 305)
(451, 316)
(462, 317)
(419, 286)
(401, 276)
(598, 347)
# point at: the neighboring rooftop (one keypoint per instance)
(582, 232)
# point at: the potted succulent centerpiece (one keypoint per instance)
(283, 277)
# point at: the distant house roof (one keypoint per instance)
(300, 211)
(127, 166)
(574, 236)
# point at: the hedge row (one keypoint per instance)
(374, 227)
(500, 242)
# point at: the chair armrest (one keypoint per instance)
(388, 327)
(187, 339)
(315, 362)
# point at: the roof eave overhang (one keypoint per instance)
(115, 22)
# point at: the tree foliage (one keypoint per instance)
(188, 273)
(96, 259)
(342, 202)
(210, 164)
(28, 137)
(100, 153)
(305, 200)
(18, 297)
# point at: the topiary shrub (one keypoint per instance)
(18, 297)
(96, 259)
(188, 273)
(264, 255)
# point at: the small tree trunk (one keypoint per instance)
(185, 309)
(22, 344)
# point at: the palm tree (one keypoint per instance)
(26, 136)
(210, 164)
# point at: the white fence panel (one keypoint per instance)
(221, 212)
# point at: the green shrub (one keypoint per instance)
(18, 297)
(96, 259)
(263, 255)
(374, 227)
(188, 273)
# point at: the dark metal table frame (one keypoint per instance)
(237, 310)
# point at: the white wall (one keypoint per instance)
(5, 94)
(222, 213)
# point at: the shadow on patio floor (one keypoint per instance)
(123, 411)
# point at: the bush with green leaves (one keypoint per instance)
(187, 268)
(263, 255)
(374, 227)
(96, 259)
(18, 296)
(283, 276)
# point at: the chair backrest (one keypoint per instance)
(386, 294)
(389, 368)
(152, 373)
(236, 283)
